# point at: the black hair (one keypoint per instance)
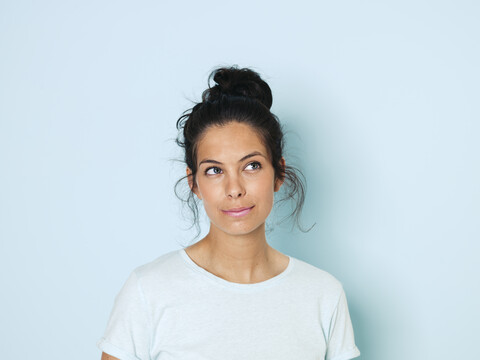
(239, 95)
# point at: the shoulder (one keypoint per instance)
(163, 261)
(316, 279)
(160, 270)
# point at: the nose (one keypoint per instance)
(234, 188)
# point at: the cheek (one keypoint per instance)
(210, 194)
(264, 190)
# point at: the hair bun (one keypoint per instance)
(233, 81)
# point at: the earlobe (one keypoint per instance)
(279, 182)
(278, 185)
(191, 184)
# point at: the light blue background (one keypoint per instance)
(381, 103)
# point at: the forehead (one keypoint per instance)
(229, 142)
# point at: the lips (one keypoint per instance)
(238, 212)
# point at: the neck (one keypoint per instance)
(239, 258)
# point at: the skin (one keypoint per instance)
(108, 357)
(235, 249)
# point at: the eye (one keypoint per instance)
(213, 171)
(255, 165)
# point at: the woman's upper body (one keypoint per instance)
(172, 309)
(231, 295)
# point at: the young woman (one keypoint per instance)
(231, 295)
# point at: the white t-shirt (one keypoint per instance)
(171, 308)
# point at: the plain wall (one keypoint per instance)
(380, 101)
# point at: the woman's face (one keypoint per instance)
(235, 178)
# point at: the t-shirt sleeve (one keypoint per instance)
(341, 341)
(128, 332)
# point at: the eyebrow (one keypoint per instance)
(242, 159)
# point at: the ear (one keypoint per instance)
(279, 182)
(191, 184)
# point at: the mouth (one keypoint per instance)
(238, 212)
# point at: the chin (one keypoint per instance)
(240, 229)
